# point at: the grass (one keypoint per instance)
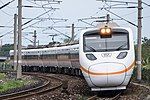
(12, 84)
(2, 76)
(8, 84)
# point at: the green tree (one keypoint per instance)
(146, 50)
(4, 50)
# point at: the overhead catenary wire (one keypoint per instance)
(126, 2)
(22, 28)
(48, 13)
(6, 4)
(126, 7)
(27, 6)
(29, 22)
(41, 7)
(46, 19)
(50, 19)
(86, 22)
(53, 22)
(61, 33)
(37, 17)
(1, 26)
(146, 4)
(48, 0)
(59, 27)
(119, 7)
(92, 18)
(121, 18)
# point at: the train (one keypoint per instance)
(104, 57)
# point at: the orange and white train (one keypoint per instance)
(104, 55)
(107, 57)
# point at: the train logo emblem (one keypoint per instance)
(106, 55)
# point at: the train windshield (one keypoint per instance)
(95, 43)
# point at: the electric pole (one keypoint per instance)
(108, 18)
(34, 43)
(72, 35)
(139, 73)
(19, 69)
(15, 42)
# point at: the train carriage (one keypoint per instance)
(107, 57)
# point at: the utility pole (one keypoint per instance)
(38, 42)
(19, 69)
(15, 42)
(72, 35)
(139, 73)
(34, 43)
(108, 18)
(1, 43)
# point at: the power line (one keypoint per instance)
(121, 18)
(26, 6)
(92, 18)
(59, 27)
(146, 4)
(6, 4)
(37, 17)
(86, 22)
(126, 2)
(29, 22)
(1, 26)
(6, 13)
(49, 0)
(31, 25)
(38, 5)
(43, 6)
(48, 13)
(61, 33)
(46, 18)
(118, 7)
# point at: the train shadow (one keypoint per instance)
(108, 94)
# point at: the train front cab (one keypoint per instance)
(107, 62)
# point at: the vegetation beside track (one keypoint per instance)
(11, 84)
(145, 75)
(145, 61)
(7, 83)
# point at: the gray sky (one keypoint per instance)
(71, 10)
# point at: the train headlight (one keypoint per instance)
(102, 31)
(122, 55)
(91, 57)
(105, 32)
(108, 30)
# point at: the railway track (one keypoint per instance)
(46, 87)
(112, 97)
(51, 90)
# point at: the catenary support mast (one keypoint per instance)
(15, 42)
(139, 74)
(19, 69)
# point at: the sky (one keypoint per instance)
(72, 10)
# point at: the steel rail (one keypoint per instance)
(33, 91)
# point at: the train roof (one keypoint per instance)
(97, 28)
(51, 48)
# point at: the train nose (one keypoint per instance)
(107, 74)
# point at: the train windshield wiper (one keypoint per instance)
(120, 47)
(91, 48)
